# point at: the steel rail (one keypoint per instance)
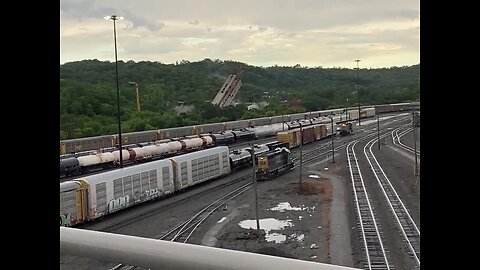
(375, 252)
(403, 218)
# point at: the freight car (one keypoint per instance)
(398, 107)
(91, 197)
(309, 134)
(105, 141)
(364, 113)
(273, 163)
(240, 158)
(132, 154)
(345, 128)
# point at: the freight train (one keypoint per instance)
(91, 161)
(91, 197)
(103, 159)
(107, 141)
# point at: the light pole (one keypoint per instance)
(333, 148)
(415, 145)
(346, 111)
(358, 91)
(378, 127)
(138, 96)
(301, 154)
(255, 187)
(114, 18)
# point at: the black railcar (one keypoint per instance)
(273, 163)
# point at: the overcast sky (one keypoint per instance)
(328, 33)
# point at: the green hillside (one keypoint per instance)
(88, 92)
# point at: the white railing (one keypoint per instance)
(158, 254)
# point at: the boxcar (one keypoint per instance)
(194, 168)
(73, 207)
(292, 137)
(111, 191)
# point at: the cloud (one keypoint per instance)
(85, 9)
(195, 22)
(267, 32)
(262, 28)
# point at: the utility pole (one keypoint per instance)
(115, 18)
(301, 154)
(415, 145)
(255, 187)
(333, 148)
(346, 111)
(378, 128)
(358, 91)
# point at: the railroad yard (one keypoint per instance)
(315, 220)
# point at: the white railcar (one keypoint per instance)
(269, 130)
(194, 168)
(369, 112)
(114, 190)
(174, 147)
(125, 155)
(193, 144)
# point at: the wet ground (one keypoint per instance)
(307, 221)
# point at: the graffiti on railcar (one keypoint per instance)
(153, 193)
(67, 220)
(119, 203)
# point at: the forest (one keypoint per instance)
(88, 92)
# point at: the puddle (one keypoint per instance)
(222, 220)
(313, 176)
(285, 206)
(268, 224)
(275, 237)
(299, 238)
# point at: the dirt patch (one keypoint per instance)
(312, 187)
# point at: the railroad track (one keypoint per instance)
(406, 224)
(150, 211)
(396, 137)
(183, 231)
(342, 143)
(376, 255)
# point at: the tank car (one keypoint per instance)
(98, 161)
(69, 166)
(223, 138)
(243, 135)
(240, 158)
